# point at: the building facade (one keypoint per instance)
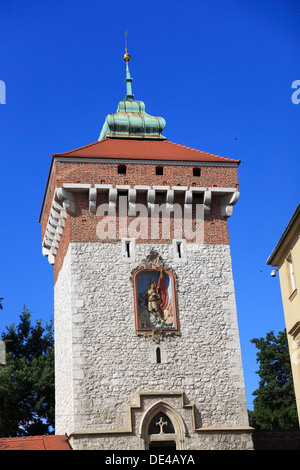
(286, 256)
(147, 350)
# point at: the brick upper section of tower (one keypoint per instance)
(135, 163)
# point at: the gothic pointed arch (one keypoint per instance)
(162, 425)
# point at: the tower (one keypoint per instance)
(147, 350)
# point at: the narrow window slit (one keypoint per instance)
(158, 355)
(127, 246)
(179, 249)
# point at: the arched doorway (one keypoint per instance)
(162, 427)
(159, 446)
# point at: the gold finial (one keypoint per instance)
(126, 56)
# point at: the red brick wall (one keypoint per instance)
(141, 173)
(82, 225)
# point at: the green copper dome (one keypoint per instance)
(130, 119)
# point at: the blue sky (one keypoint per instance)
(219, 72)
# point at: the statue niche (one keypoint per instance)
(155, 300)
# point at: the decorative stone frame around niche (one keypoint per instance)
(154, 263)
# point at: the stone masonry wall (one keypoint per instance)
(64, 350)
(101, 362)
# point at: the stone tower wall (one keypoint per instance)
(108, 363)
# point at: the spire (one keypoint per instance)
(130, 120)
(128, 80)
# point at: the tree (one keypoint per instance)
(27, 379)
(275, 404)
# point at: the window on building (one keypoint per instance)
(127, 249)
(179, 249)
(159, 170)
(196, 171)
(291, 273)
(122, 169)
(161, 424)
(158, 355)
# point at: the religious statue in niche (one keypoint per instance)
(155, 300)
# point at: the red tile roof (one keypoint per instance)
(51, 442)
(131, 149)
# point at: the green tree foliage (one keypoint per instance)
(275, 404)
(27, 379)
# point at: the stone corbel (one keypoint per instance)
(151, 199)
(131, 201)
(67, 199)
(227, 203)
(58, 207)
(188, 200)
(51, 258)
(170, 199)
(45, 250)
(62, 203)
(51, 230)
(112, 198)
(207, 201)
(54, 214)
(92, 200)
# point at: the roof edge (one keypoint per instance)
(46, 441)
(99, 142)
(46, 189)
(284, 235)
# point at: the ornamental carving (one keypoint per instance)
(155, 304)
